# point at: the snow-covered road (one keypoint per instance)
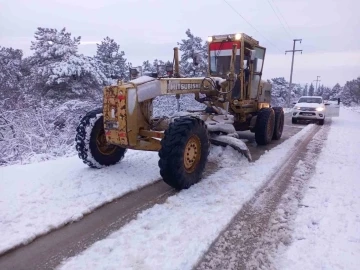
(175, 234)
(327, 230)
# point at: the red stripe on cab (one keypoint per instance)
(223, 46)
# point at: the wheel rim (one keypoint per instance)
(102, 145)
(192, 153)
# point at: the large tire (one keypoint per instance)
(88, 133)
(294, 121)
(181, 161)
(264, 128)
(321, 122)
(279, 123)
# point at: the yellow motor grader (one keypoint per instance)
(235, 97)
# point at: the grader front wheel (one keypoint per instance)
(91, 143)
(184, 151)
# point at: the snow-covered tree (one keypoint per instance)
(351, 92)
(188, 48)
(279, 92)
(311, 90)
(158, 66)
(336, 90)
(305, 91)
(10, 72)
(325, 92)
(60, 70)
(319, 90)
(111, 59)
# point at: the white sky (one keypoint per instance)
(149, 29)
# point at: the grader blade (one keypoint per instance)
(237, 144)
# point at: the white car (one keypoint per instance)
(309, 108)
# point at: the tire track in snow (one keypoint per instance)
(48, 250)
(68, 241)
(263, 225)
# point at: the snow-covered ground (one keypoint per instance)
(327, 231)
(36, 198)
(174, 235)
(353, 108)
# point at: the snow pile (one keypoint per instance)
(353, 108)
(174, 235)
(39, 197)
(327, 230)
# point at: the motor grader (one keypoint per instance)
(235, 97)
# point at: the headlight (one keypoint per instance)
(209, 39)
(319, 109)
(237, 36)
(297, 108)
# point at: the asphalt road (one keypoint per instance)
(47, 251)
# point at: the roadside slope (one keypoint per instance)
(39, 197)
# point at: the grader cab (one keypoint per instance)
(235, 97)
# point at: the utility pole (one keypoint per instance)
(317, 80)
(292, 67)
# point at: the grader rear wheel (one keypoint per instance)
(264, 128)
(91, 143)
(279, 123)
(184, 151)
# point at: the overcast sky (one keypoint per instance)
(149, 29)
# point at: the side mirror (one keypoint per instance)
(327, 104)
(293, 103)
(196, 59)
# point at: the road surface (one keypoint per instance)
(47, 251)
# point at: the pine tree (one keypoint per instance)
(58, 69)
(111, 60)
(305, 92)
(311, 90)
(279, 92)
(189, 48)
(335, 92)
(319, 91)
(10, 73)
(351, 92)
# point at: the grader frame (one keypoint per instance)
(235, 97)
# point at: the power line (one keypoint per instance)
(251, 25)
(277, 8)
(279, 19)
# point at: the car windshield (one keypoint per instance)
(310, 100)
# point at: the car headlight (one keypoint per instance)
(297, 108)
(319, 109)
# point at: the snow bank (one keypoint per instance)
(37, 198)
(174, 235)
(327, 230)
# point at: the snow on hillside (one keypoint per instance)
(175, 234)
(327, 230)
